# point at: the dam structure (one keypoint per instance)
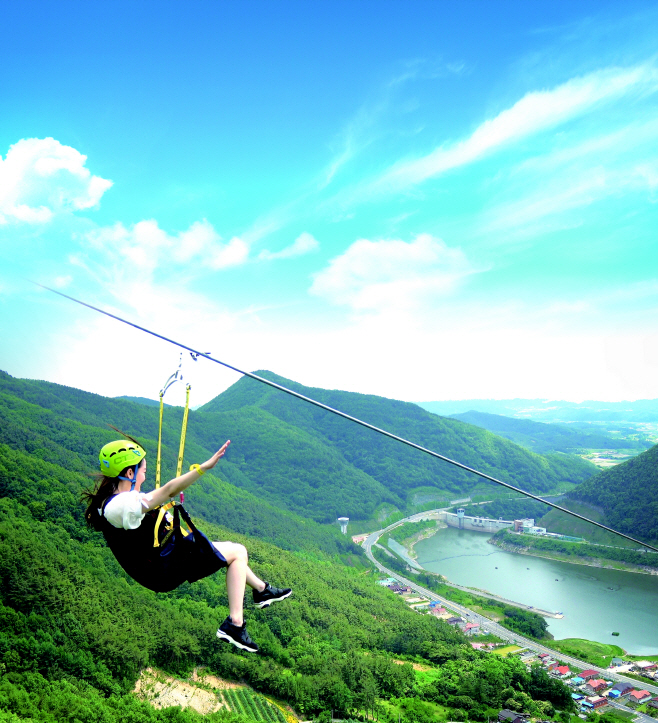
(479, 524)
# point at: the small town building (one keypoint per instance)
(616, 662)
(454, 621)
(589, 674)
(653, 703)
(645, 666)
(639, 696)
(577, 696)
(563, 670)
(387, 581)
(623, 688)
(576, 681)
(510, 716)
(596, 685)
(596, 701)
(612, 693)
(472, 628)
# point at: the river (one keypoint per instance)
(595, 602)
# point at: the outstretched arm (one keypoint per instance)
(179, 484)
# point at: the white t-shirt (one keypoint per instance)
(127, 509)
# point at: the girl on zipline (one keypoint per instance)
(127, 517)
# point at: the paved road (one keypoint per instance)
(495, 628)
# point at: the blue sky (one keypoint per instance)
(422, 200)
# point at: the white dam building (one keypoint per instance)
(481, 524)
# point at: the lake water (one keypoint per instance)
(595, 602)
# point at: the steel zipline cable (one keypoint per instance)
(349, 417)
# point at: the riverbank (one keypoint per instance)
(412, 541)
(429, 530)
(600, 563)
(595, 602)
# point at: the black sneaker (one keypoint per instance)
(237, 635)
(269, 595)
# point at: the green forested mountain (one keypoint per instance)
(359, 469)
(627, 494)
(299, 457)
(65, 428)
(75, 631)
(541, 438)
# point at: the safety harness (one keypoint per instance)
(158, 539)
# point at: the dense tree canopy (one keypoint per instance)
(628, 495)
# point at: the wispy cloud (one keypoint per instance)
(575, 176)
(536, 112)
(303, 244)
(367, 127)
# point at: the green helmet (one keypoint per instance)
(116, 456)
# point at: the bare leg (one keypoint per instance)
(237, 575)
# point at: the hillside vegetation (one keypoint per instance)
(627, 495)
(75, 632)
(322, 466)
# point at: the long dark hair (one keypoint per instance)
(104, 487)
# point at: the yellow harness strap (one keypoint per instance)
(179, 466)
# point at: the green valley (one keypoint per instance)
(76, 632)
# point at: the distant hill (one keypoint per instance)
(321, 466)
(627, 495)
(641, 410)
(541, 438)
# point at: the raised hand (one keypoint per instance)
(209, 464)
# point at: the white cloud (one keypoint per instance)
(40, 177)
(303, 244)
(391, 274)
(234, 253)
(145, 247)
(535, 112)
(558, 201)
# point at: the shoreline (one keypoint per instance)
(424, 535)
(410, 543)
(547, 556)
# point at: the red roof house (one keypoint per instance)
(563, 669)
(596, 685)
(588, 674)
(639, 696)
